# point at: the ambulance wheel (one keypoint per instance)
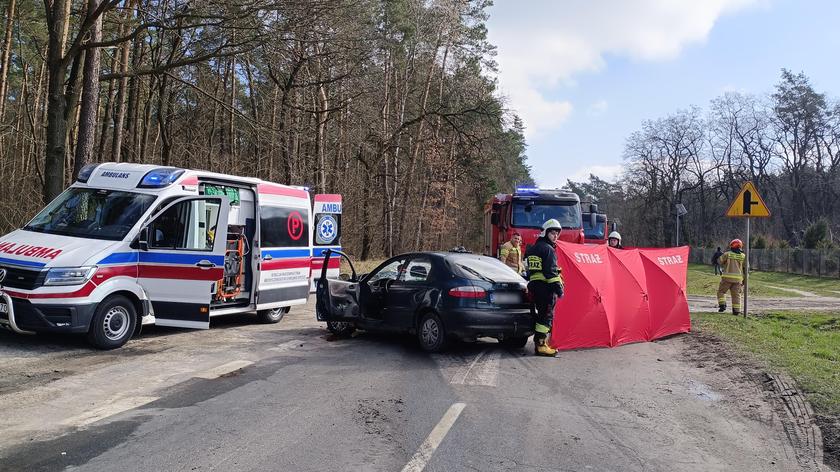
(113, 323)
(340, 328)
(431, 333)
(515, 343)
(272, 316)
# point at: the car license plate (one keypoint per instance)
(506, 298)
(4, 308)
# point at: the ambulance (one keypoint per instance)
(128, 245)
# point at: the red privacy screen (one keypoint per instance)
(614, 297)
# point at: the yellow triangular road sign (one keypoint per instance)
(748, 203)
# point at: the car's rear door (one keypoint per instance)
(336, 299)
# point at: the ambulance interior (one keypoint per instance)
(234, 289)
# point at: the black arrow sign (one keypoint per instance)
(748, 202)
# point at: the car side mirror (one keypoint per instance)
(494, 219)
(143, 239)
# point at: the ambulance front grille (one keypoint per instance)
(25, 279)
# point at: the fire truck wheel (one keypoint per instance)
(340, 328)
(515, 343)
(272, 316)
(113, 323)
(431, 333)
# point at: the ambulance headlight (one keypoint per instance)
(69, 275)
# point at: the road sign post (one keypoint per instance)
(747, 204)
(747, 270)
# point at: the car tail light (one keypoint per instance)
(467, 291)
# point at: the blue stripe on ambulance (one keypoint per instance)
(18, 262)
(285, 253)
(160, 258)
(319, 251)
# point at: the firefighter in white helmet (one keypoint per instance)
(614, 240)
(544, 283)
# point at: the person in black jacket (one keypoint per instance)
(544, 283)
(716, 261)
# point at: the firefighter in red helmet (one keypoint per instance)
(732, 277)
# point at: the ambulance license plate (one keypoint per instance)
(506, 298)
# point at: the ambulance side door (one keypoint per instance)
(284, 253)
(181, 258)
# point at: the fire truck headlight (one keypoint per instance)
(69, 275)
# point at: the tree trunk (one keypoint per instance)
(90, 96)
(56, 139)
(7, 50)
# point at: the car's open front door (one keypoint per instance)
(337, 299)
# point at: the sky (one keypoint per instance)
(585, 74)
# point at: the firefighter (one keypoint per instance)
(732, 276)
(614, 240)
(511, 253)
(544, 283)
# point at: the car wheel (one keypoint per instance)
(340, 328)
(515, 343)
(113, 323)
(272, 316)
(431, 333)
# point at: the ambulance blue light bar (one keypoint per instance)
(527, 191)
(160, 177)
(85, 172)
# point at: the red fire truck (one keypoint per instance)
(526, 210)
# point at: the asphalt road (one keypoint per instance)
(244, 396)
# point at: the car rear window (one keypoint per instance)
(488, 267)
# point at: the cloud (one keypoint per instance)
(545, 44)
(598, 108)
(609, 173)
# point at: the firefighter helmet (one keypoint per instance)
(736, 243)
(550, 224)
(615, 235)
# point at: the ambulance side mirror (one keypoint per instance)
(143, 239)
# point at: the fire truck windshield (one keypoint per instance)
(529, 214)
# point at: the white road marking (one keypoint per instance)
(112, 408)
(483, 369)
(223, 369)
(287, 346)
(424, 452)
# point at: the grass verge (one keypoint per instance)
(805, 345)
(703, 281)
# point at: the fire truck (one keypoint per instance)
(526, 210)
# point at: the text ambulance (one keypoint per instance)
(132, 244)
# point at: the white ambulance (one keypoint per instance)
(131, 244)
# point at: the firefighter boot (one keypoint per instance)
(721, 307)
(541, 348)
(736, 312)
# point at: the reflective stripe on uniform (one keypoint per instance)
(539, 276)
(733, 266)
(540, 328)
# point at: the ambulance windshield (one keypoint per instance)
(92, 213)
(531, 214)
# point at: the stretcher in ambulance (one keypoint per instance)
(130, 244)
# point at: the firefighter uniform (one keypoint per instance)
(732, 277)
(511, 256)
(545, 285)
